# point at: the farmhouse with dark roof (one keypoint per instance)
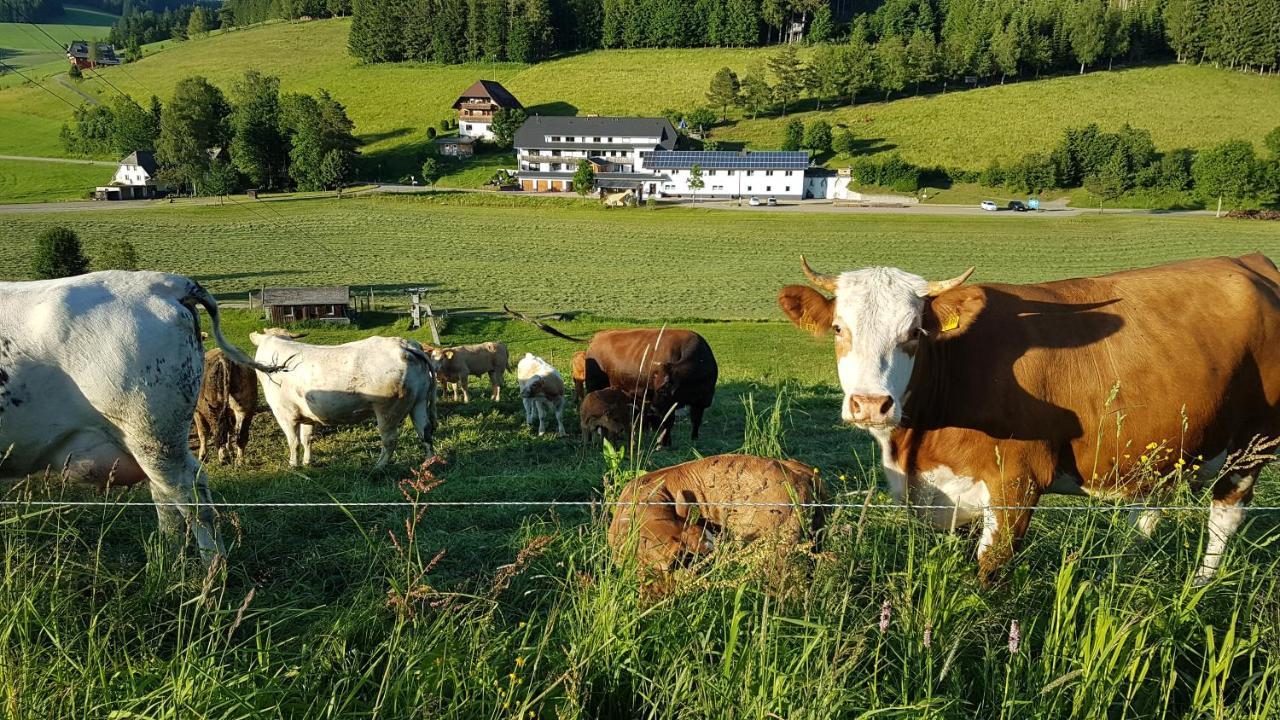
(477, 104)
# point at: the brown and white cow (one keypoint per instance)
(985, 397)
(225, 409)
(579, 372)
(458, 364)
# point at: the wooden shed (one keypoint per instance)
(289, 305)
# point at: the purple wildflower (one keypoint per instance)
(886, 612)
(1015, 637)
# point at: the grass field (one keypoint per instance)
(707, 263)
(23, 46)
(393, 104)
(33, 181)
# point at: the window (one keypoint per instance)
(468, 126)
(768, 188)
(768, 173)
(595, 139)
(610, 139)
(711, 172)
(555, 138)
(555, 153)
(788, 173)
(788, 188)
(750, 172)
(555, 167)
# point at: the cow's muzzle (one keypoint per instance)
(870, 410)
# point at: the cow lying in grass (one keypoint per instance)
(456, 366)
(677, 513)
(542, 390)
(611, 414)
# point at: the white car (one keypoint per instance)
(990, 206)
(754, 201)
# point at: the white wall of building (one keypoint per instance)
(477, 130)
(131, 175)
(788, 184)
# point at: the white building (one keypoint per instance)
(549, 148)
(732, 174)
(135, 179)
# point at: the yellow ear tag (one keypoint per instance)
(951, 323)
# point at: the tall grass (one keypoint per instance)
(887, 620)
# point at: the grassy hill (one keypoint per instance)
(392, 104)
(23, 46)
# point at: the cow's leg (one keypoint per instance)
(289, 426)
(463, 383)
(541, 407)
(180, 490)
(495, 383)
(695, 419)
(528, 412)
(560, 416)
(423, 425)
(304, 438)
(202, 450)
(1144, 521)
(665, 427)
(389, 429)
(1004, 522)
(243, 423)
(1231, 494)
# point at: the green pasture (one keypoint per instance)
(39, 181)
(23, 46)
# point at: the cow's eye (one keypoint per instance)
(914, 334)
(837, 329)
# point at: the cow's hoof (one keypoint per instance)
(1200, 580)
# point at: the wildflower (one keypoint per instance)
(886, 612)
(1180, 463)
(928, 634)
(520, 662)
(1143, 458)
(1151, 446)
(1015, 637)
(512, 677)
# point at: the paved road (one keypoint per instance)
(62, 80)
(797, 206)
(68, 161)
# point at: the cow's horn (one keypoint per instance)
(826, 282)
(937, 287)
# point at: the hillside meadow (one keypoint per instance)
(392, 104)
(23, 46)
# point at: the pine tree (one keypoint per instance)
(724, 91)
(891, 65)
(793, 135)
(58, 255)
(1006, 51)
(257, 147)
(922, 61)
(789, 74)
(823, 27)
(756, 93)
(1088, 31)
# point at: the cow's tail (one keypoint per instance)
(542, 326)
(197, 295)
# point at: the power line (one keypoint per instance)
(13, 69)
(92, 68)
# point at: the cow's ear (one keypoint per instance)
(448, 354)
(809, 309)
(952, 313)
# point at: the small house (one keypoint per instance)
(135, 179)
(283, 305)
(459, 146)
(78, 54)
(477, 104)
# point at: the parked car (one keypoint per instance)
(754, 201)
(990, 205)
(772, 200)
(1017, 206)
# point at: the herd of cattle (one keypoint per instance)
(983, 398)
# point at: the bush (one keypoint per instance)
(817, 137)
(793, 136)
(58, 254)
(431, 133)
(993, 175)
(844, 143)
(116, 255)
(893, 172)
(1032, 174)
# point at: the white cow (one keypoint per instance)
(542, 390)
(384, 378)
(99, 376)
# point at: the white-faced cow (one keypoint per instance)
(99, 376)
(382, 378)
(985, 397)
(542, 390)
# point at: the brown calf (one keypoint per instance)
(458, 364)
(224, 411)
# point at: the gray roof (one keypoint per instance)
(144, 158)
(327, 295)
(726, 160)
(534, 129)
(79, 49)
